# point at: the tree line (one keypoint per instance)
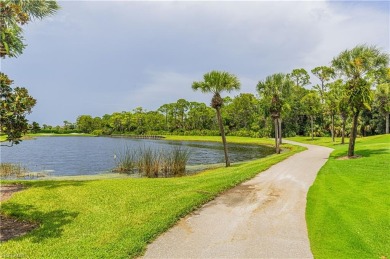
(322, 110)
(352, 98)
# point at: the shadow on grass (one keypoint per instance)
(51, 223)
(51, 184)
(369, 152)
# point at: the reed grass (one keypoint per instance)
(8, 169)
(152, 163)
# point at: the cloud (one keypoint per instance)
(97, 57)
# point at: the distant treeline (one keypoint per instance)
(244, 115)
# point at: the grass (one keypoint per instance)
(348, 209)
(8, 169)
(116, 218)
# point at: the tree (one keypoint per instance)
(242, 111)
(332, 100)
(343, 108)
(14, 14)
(275, 89)
(382, 100)
(164, 109)
(300, 77)
(14, 106)
(324, 74)
(311, 106)
(35, 128)
(216, 82)
(359, 66)
(17, 103)
(85, 123)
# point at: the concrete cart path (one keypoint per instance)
(261, 218)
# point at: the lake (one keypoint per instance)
(69, 156)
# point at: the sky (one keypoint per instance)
(100, 57)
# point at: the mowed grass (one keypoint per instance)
(115, 218)
(348, 209)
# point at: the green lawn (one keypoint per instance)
(116, 218)
(348, 210)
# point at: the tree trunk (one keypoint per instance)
(280, 131)
(352, 138)
(332, 127)
(312, 127)
(343, 130)
(387, 123)
(221, 129)
(276, 136)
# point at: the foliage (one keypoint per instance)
(382, 99)
(216, 82)
(311, 107)
(275, 90)
(300, 77)
(348, 205)
(360, 66)
(324, 74)
(15, 105)
(116, 218)
(14, 14)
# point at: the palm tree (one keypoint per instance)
(276, 88)
(359, 66)
(14, 14)
(216, 82)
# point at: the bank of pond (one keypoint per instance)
(135, 157)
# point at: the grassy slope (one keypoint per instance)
(348, 211)
(115, 218)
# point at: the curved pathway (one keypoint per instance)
(261, 218)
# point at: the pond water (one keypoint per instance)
(69, 156)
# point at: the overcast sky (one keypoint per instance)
(98, 57)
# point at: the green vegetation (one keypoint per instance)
(348, 205)
(16, 103)
(115, 218)
(152, 163)
(7, 169)
(216, 82)
(275, 90)
(362, 66)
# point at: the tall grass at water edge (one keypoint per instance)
(151, 162)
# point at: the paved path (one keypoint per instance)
(261, 218)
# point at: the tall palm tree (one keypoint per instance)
(216, 82)
(276, 88)
(359, 66)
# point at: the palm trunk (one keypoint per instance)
(312, 127)
(352, 138)
(276, 136)
(387, 123)
(221, 129)
(280, 131)
(332, 127)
